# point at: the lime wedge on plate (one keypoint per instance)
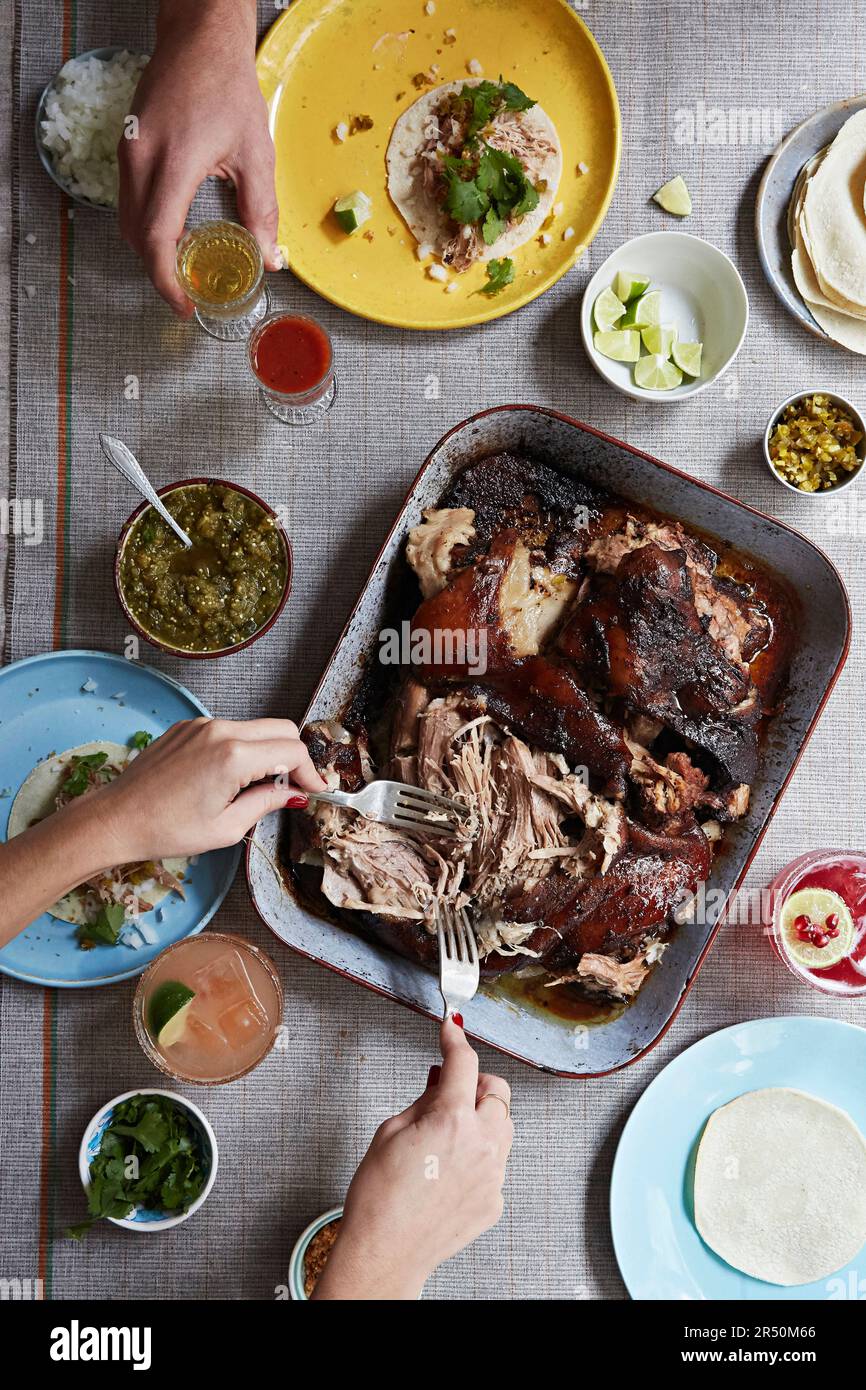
(607, 310)
(688, 357)
(816, 904)
(352, 211)
(621, 347)
(628, 286)
(167, 1011)
(675, 197)
(659, 338)
(656, 373)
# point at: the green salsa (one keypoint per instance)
(222, 590)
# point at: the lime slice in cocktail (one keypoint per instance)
(167, 1012)
(830, 921)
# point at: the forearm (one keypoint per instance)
(357, 1272)
(47, 861)
(236, 18)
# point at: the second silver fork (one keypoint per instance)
(459, 971)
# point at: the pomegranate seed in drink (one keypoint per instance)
(820, 940)
(832, 922)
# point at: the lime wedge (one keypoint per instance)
(688, 357)
(622, 347)
(643, 312)
(628, 286)
(660, 338)
(352, 211)
(656, 373)
(674, 197)
(607, 310)
(167, 1011)
(816, 905)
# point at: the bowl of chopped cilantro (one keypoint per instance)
(148, 1160)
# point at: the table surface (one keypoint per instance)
(92, 349)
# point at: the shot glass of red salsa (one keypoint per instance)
(816, 913)
(292, 359)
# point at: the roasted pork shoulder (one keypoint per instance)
(611, 731)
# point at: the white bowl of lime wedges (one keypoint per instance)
(664, 316)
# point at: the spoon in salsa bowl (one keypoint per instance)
(126, 463)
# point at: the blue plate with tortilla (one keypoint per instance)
(658, 1249)
(61, 700)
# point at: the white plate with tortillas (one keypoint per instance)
(810, 220)
(741, 1172)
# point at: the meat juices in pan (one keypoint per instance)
(614, 730)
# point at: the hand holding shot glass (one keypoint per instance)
(220, 268)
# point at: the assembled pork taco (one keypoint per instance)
(473, 167)
(60, 779)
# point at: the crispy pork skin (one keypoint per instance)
(729, 613)
(552, 511)
(638, 634)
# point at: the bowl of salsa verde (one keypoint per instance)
(220, 595)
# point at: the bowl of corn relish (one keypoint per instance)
(814, 443)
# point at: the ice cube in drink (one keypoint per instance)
(243, 1022)
(223, 981)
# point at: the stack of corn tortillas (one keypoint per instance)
(827, 227)
(780, 1186)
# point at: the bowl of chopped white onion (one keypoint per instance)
(82, 114)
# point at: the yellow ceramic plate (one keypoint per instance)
(325, 61)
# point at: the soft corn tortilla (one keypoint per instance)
(428, 223)
(780, 1186)
(35, 801)
(833, 221)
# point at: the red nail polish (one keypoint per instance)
(433, 1077)
(458, 1019)
(297, 802)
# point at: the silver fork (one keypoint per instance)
(458, 957)
(397, 803)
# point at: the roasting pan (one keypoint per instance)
(529, 1033)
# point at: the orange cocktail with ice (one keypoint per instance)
(209, 1008)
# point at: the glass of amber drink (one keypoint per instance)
(220, 268)
(208, 1009)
